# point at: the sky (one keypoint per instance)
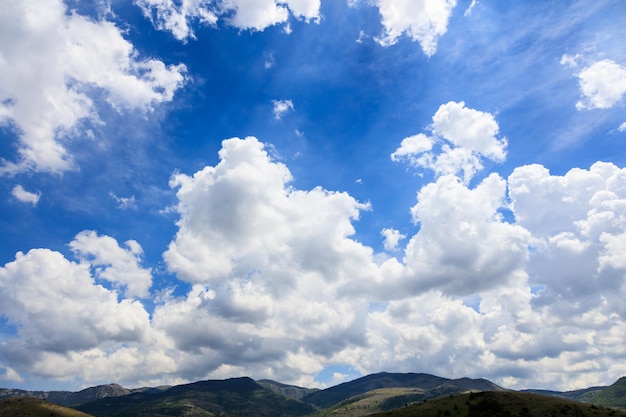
(311, 191)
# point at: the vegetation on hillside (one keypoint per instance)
(35, 407)
(224, 398)
(390, 395)
(501, 404)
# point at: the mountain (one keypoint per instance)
(68, 398)
(381, 392)
(612, 396)
(226, 398)
(501, 404)
(433, 386)
(290, 391)
(35, 407)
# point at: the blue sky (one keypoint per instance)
(310, 191)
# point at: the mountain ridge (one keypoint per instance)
(385, 389)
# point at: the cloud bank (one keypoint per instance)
(280, 288)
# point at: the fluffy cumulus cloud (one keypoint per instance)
(577, 224)
(602, 85)
(179, 17)
(509, 279)
(464, 246)
(241, 217)
(59, 311)
(392, 238)
(461, 138)
(268, 263)
(52, 60)
(421, 20)
(113, 263)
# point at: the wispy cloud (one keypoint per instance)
(124, 202)
(25, 196)
(281, 107)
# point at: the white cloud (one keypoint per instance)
(602, 85)
(413, 145)
(464, 136)
(113, 263)
(571, 60)
(468, 11)
(59, 309)
(578, 226)
(392, 238)
(179, 17)
(11, 375)
(52, 61)
(463, 246)
(622, 127)
(124, 202)
(281, 107)
(25, 196)
(422, 20)
(240, 216)
(309, 10)
(281, 290)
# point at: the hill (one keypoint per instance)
(432, 386)
(226, 398)
(501, 404)
(612, 396)
(71, 399)
(35, 407)
(290, 391)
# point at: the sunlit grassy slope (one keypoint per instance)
(34, 407)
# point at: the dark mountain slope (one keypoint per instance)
(613, 395)
(501, 404)
(289, 391)
(226, 398)
(68, 398)
(329, 396)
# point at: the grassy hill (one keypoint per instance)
(501, 404)
(71, 399)
(613, 395)
(35, 407)
(382, 399)
(334, 395)
(428, 386)
(290, 391)
(224, 398)
(393, 394)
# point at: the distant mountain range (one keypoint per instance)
(71, 399)
(611, 396)
(374, 393)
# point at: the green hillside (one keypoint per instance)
(334, 395)
(501, 404)
(382, 399)
(613, 395)
(224, 398)
(35, 407)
